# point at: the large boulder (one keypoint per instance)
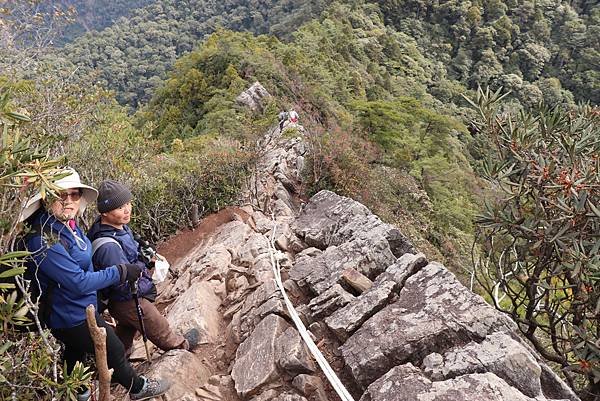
(329, 301)
(346, 320)
(256, 358)
(253, 97)
(434, 313)
(331, 219)
(499, 353)
(292, 354)
(408, 383)
(198, 307)
(265, 300)
(370, 256)
(175, 365)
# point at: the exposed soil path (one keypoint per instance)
(185, 240)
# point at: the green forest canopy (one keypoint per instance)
(542, 50)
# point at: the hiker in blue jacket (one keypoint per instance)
(113, 243)
(61, 262)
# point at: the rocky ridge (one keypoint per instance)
(395, 325)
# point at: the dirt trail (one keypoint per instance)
(185, 240)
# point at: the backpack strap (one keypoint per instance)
(98, 242)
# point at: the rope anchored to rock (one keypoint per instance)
(314, 350)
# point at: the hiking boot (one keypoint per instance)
(84, 396)
(152, 388)
(192, 339)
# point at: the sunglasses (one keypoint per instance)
(74, 195)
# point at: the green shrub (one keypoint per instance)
(539, 235)
(206, 170)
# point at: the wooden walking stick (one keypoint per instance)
(99, 337)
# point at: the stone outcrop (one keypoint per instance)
(498, 353)
(292, 354)
(433, 312)
(394, 325)
(253, 97)
(177, 364)
(408, 383)
(256, 358)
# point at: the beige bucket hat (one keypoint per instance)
(89, 194)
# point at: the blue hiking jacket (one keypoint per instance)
(111, 254)
(66, 265)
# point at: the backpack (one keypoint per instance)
(42, 299)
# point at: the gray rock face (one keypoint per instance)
(255, 360)
(407, 383)
(346, 320)
(434, 313)
(197, 308)
(351, 236)
(266, 396)
(311, 387)
(174, 365)
(331, 219)
(329, 301)
(265, 300)
(553, 387)
(290, 397)
(255, 246)
(498, 354)
(370, 256)
(232, 235)
(292, 355)
(253, 97)
(406, 265)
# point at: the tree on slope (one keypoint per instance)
(540, 235)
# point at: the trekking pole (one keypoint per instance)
(140, 315)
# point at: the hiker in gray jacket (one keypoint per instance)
(282, 119)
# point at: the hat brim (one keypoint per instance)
(89, 195)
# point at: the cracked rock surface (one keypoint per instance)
(392, 324)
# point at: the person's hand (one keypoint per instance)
(130, 272)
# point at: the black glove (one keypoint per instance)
(129, 272)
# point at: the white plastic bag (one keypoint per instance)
(161, 269)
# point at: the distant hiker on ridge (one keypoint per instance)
(282, 118)
(293, 116)
(113, 242)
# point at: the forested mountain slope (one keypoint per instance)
(535, 48)
(544, 50)
(134, 54)
(89, 15)
(362, 87)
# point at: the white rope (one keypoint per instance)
(329, 373)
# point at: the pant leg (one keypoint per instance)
(125, 314)
(72, 355)
(126, 334)
(78, 342)
(157, 327)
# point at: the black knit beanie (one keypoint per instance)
(111, 195)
